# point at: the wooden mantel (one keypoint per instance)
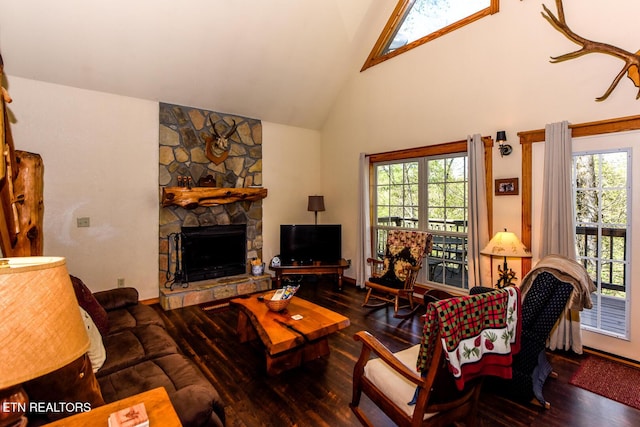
(191, 198)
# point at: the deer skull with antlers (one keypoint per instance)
(631, 60)
(217, 146)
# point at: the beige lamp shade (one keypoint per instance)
(41, 328)
(506, 244)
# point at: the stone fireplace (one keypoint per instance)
(213, 251)
(221, 191)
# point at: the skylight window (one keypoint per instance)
(415, 22)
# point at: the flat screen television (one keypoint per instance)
(305, 244)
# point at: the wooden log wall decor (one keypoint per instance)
(21, 191)
(29, 190)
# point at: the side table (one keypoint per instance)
(157, 404)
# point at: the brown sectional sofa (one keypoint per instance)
(140, 356)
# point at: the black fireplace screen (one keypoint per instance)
(214, 251)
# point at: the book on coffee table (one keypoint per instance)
(133, 416)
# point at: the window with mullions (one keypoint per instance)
(415, 22)
(602, 204)
(431, 194)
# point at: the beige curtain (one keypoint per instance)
(478, 223)
(363, 249)
(557, 228)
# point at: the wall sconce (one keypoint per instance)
(316, 203)
(501, 138)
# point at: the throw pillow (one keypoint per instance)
(96, 352)
(396, 260)
(87, 301)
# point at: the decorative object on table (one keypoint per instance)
(133, 416)
(257, 267)
(275, 261)
(217, 146)
(506, 244)
(185, 181)
(316, 204)
(501, 138)
(37, 303)
(631, 60)
(506, 187)
(279, 299)
(207, 181)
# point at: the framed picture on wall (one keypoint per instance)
(507, 187)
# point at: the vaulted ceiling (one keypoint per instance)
(283, 61)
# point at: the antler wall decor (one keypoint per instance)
(217, 146)
(631, 60)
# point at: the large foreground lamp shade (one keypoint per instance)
(506, 244)
(316, 204)
(41, 328)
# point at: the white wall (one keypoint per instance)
(492, 75)
(100, 154)
(291, 172)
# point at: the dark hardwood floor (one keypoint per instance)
(318, 393)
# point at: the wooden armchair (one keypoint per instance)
(393, 278)
(465, 339)
(392, 380)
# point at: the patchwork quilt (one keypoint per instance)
(479, 334)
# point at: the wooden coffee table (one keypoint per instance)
(288, 342)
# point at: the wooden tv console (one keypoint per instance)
(318, 268)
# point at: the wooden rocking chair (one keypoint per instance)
(390, 381)
(424, 374)
(393, 278)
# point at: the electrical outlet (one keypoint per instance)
(121, 282)
(83, 221)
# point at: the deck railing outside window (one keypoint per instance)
(447, 262)
(612, 274)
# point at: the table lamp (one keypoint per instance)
(316, 204)
(506, 244)
(41, 328)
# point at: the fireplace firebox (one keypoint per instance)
(214, 251)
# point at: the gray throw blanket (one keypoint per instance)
(566, 270)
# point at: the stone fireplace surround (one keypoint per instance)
(182, 154)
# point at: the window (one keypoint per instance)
(602, 205)
(415, 22)
(427, 193)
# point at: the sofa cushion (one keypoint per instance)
(195, 400)
(117, 297)
(87, 301)
(133, 316)
(134, 345)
